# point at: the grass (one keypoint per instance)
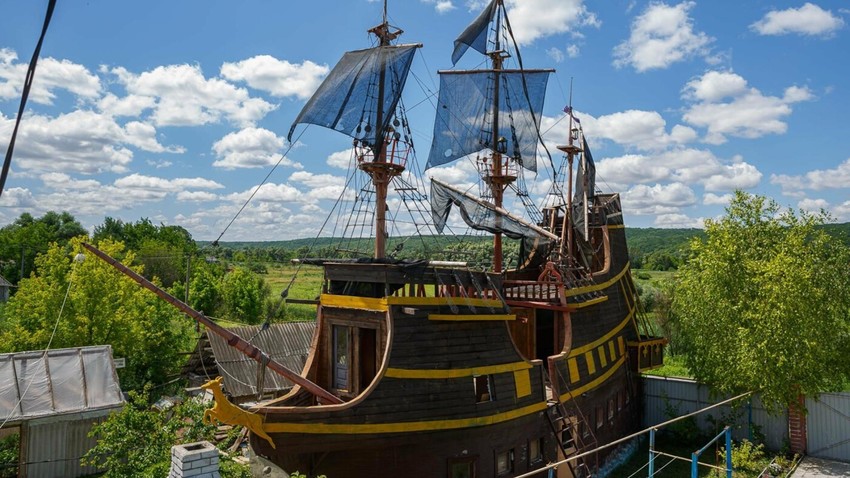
(307, 285)
(674, 366)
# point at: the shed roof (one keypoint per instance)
(287, 343)
(4, 282)
(60, 381)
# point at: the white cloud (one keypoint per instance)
(555, 54)
(278, 77)
(441, 6)
(186, 98)
(678, 221)
(51, 75)
(710, 199)
(809, 19)
(143, 136)
(658, 199)
(250, 148)
(817, 180)
(130, 105)
(639, 129)
(159, 164)
(573, 51)
(320, 186)
(533, 19)
(841, 211)
(340, 159)
(137, 181)
(80, 141)
(196, 196)
(269, 193)
(813, 205)
(745, 113)
(660, 36)
(14, 198)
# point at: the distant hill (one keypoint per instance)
(649, 248)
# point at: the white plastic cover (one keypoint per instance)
(34, 384)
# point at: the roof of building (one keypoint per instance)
(4, 282)
(60, 381)
(287, 343)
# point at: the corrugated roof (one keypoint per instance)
(35, 384)
(4, 282)
(287, 343)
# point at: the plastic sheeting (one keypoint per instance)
(464, 121)
(35, 384)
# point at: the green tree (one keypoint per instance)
(119, 437)
(764, 302)
(24, 239)
(243, 296)
(89, 303)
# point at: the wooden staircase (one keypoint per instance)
(573, 434)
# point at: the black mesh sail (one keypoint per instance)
(464, 119)
(347, 101)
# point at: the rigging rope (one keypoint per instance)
(25, 92)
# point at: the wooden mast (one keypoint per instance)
(571, 150)
(381, 169)
(498, 179)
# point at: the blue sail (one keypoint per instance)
(464, 120)
(475, 35)
(347, 101)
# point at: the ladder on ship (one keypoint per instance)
(572, 432)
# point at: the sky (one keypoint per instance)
(177, 111)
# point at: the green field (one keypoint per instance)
(307, 285)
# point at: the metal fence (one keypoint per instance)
(828, 426)
(666, 398)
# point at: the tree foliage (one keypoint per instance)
(764, 303)
(137, 440)
(24, 239)
(243, 295)
(90, 303)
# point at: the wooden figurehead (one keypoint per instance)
(226, 412)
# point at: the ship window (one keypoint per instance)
(483, 388)
(628, 396)
(505, 462)
(341, 362)
(535, 451)
(620, 400)
(600, 417)
(462, 467)
(610, 409)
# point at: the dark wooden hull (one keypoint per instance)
(453, 384)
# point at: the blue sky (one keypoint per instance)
(175, 111)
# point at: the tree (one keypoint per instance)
(24, 239)
(764, 303)
(90, 303)
(243, 295)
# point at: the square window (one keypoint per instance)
(600, 417)
(462, 467)
(483, 388)
(504, 462)
(610, 409)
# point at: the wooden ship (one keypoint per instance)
(427, 368)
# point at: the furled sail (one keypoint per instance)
(483, 216)
(347, 101)
(463, 124)
(475, 35)
(585, 189)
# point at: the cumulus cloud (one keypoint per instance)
(250, 148)
(809, 19)
(658, 199)
(152, 183)
(533, 19)
(278, 77)
(319, 186)
(678, 221)
(52, 75)
(184, 97)
(817, 180)
(689, 166)
(726, 106)
(710, 199)
(441, 6)
(660, 36)
(813, 205)
(340, 159)
(645, 130)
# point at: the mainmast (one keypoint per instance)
(571, 150)
(382, 169)
(498, 179)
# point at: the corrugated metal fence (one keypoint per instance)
(828, 426)
(666, 398)
(827, 422)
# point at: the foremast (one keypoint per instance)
(359, 98)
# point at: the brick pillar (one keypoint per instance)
(196, 460)
(797, 426)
